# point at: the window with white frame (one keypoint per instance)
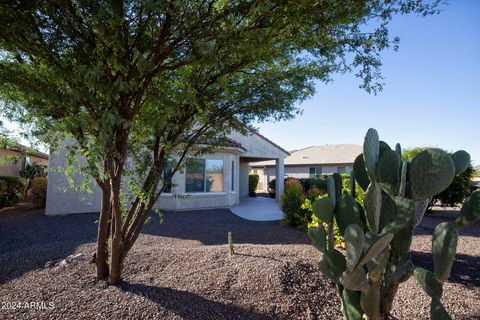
(204, 175)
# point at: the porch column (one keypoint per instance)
(279, 176)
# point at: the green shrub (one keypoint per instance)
(252, 184)
(315, 222)
(359, 193)
(291, 204)
(39, 192)
(30, 172)
(314, 193)
(11, 190)
(307, 184)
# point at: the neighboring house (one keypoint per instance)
(310, 162)
(14, 159)
(218, 180)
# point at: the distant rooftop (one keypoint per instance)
(26, 150)
(319, 155)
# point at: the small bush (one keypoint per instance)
(314, 193)
(291, 203)
(252, 184)
(319, 183)
(359, 193)
(315, 222)
(11, 190)
(307, 184)
(39, 192)
(30, 172)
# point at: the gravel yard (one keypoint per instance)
(180, 270)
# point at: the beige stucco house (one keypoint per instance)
(14, 159)
(218, 180)
(309, 162)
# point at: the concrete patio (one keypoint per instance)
(258, 209)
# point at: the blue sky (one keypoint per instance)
(431, 96)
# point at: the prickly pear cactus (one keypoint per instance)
(379, 234)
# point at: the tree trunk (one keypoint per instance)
(103, 230)
(116, 260)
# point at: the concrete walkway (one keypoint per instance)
(258, 209)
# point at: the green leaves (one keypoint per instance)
(405, 211)
(355, 280)
(333, 264)
(444, 248)
(352, 310)
(347, 212)
(331, 188)
(337, 178)
(371, 152)
(461, 159)
(470, 211)
(379, 243)
(354, 242)
(437, 311)
(388, 169)
(370, 301)
(360, 172)
(318, 237)
(323, 209)
(428, 282)
(431, 172)
(373, 204)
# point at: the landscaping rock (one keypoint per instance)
(180, 270)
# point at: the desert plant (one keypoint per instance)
(457, 191)
(231, 252)
(39, 192)
(11, 190)
(378, 234)
(291, 202)
(316, 222)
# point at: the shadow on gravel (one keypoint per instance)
(190, 306)
(210, 227)
(31, 239)
(428, 225)
(465, 269)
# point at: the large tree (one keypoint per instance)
(137, 84)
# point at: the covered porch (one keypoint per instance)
(258, 148)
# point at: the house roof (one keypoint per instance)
(226, 142)
(27, 150)
(319, 155)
